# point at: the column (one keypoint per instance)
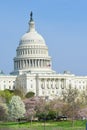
(40, 63)
(26, 63)
(34, 62)
(23, 63)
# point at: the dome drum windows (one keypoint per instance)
(40, 50)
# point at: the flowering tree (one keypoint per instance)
(35, 106)
(70, 96)
(42, 108)
(82, 113)
(57, 106)
(16, 108)
(30, 108)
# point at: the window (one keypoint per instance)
(9, 87)
(13, 87)
(4, 86)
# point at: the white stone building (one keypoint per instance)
(33, 69)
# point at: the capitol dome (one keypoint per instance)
(32, 52)
(32, 37)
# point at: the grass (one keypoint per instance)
(49, 125)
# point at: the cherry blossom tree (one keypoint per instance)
(70, 96)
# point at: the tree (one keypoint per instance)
(16, 108)
(82, 113)
(3, 111)
(57, 106)
(42, 109)
(30, 94)
(83, 98)
(70, 96)
(6, 95)
(18, 92)
(30, 108)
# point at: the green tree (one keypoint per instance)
(6, 95)
(30, 94)
(16, 108)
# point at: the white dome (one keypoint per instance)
(32, 37)
(32, 53)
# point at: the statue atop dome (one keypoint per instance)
(31, 16)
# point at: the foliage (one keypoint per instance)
(51, 110)
(82, 113)
(51, 115)
(16, 108)
(41, 106)
(18, 92)
(3, 111)
(42, 109)
(57, 106)
(30, 108)
(6, 95)
(83, 97)
(30, 94)
(70, 96)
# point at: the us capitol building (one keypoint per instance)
(33, 69)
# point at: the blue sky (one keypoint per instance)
(62, 23)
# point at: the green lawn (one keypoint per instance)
(50, 125)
